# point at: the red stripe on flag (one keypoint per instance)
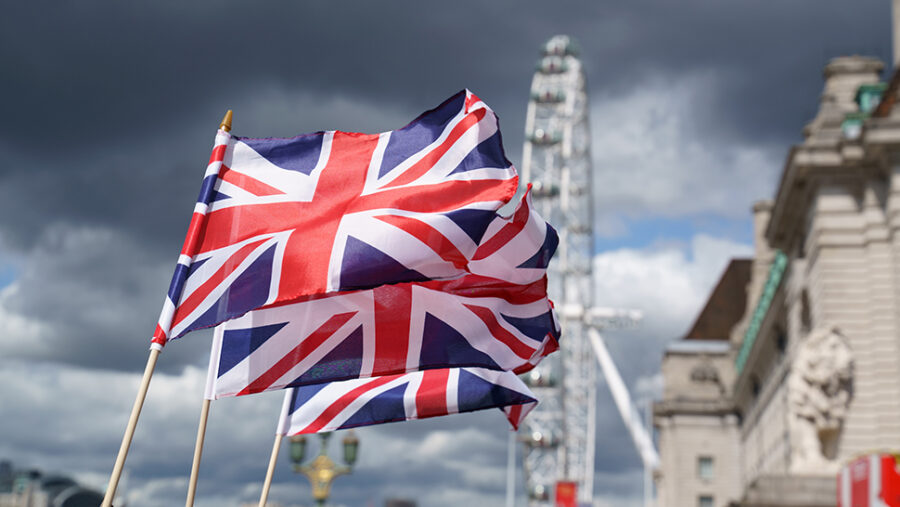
(159, 336)
(515, 412)
(438, 197)
(202, 292)
(501, 334)
(548, 346)
(429, 160)
(341, 403)
(525, 368)
(218, 153)
(308, 251)
(481, 286)
(393, 306)
(431, 398)
(552, 345)
(471, 100)
(298, 353)
(250, 184)
(193, 235)
(430, 236)
(506, 233)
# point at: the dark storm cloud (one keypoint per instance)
(86, 297)
(98, 76)
(114, 65)
(103, 76)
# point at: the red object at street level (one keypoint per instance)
(870, 481)
(566, 494)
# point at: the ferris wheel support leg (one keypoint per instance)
(629, 413)
(511, 470)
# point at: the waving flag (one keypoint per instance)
(418, 395)
(281, 219)
(472, 321)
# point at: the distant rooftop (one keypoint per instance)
(698, 346)
(726, 304)
(18, 486)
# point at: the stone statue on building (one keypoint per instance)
(819, 391)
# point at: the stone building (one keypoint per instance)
(696, 419)
(792, 367)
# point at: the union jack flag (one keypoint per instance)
(417, 395)
(280, 219)
(471, 321)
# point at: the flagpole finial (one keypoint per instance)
(226, 122)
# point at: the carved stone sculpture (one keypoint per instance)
(706, 373)
(819, 391)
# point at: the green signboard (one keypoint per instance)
(776, 272)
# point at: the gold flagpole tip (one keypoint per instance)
(226, 122)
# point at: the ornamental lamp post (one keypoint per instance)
(321, 471)
(351, 446)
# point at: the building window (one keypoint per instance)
(705, 501)
(805, 313)
(780, 340)
(705, 467)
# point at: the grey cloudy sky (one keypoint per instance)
(108, 114)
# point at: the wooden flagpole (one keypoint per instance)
(129, 430)
(198, 453)
(271, 471)
(214, 355)
(141, 396)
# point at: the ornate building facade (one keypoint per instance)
(791, 369)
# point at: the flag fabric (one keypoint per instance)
(281, 219)
(471, 321)
(416, 395)
(518, 248)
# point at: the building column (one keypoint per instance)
(838, 290)
(882, 342)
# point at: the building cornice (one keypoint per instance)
(881, 133)
(790, 491)
(694, 347)
(805, 164)
(694, 406)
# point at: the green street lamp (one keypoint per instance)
(321, 471)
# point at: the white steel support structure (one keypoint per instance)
(627, 409)
(558, 436)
